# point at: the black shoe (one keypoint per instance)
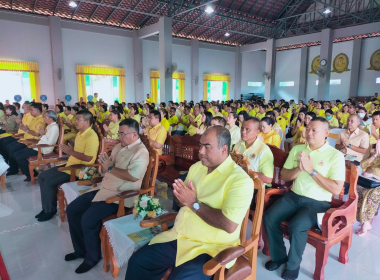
(70, 257)
(39, 214)
(46, 216)
(35, 173)
(290, 274)
(272, 265)
(83, 268)
(10, 173)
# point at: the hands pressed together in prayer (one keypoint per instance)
(306, 164)
(23, 127)
(41, 131)
(67, 149)
(106, 161)
(17, 120)
(186, 194)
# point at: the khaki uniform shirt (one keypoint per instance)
(134, 158)
(358, 138)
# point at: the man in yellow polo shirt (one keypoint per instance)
(95, 98)
(215, 198)
(318, 172)
(194, 121)
(258, 154)
(148, 99)
(84, 152)
(30, 131)
(156, 132)
(183, 122)
(173, 119)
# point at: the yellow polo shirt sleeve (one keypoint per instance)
(266, 165)
(173, 120)
(276, 140)
(161, 136)
(34, 125)
(291, 162)
(165, 123)
(137, 118)
(114, 128)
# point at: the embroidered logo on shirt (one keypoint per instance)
(252, 156)
(321, 163)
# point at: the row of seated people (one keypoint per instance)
(326, 162)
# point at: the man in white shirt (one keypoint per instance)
(49, 137)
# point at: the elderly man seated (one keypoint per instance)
(258, 154)
(353, 141)
(49, 136)
(84, 152)
(215, 197)
(124, 170)
(318, 172)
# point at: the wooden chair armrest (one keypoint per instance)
(40, 146)
(77, 166)
(84, 183)
(160, 220)
(347, 210)
(228, 255)
(97, 180)
(18, 135)
(11, 131)
(122, 196)
(274, 191)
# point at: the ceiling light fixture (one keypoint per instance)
(327, 11)
(209, 9)
(227, 34)
(72, 4)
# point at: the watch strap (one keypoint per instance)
(313, 173)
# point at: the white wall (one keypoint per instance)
(311, 87)
(253, 66)
(180, 54)
(367, 78)
(95, 49)
(216, 62)
(28, 42)
(288, 64)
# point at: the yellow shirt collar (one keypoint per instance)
(84, 133)
(224, 166)
(321, 149)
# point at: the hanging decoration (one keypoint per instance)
(375, 61)
(315, 65)
(340, 64)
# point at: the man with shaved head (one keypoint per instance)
(318, 172)
(214, 198)
(353, 141)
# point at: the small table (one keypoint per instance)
(72, 190)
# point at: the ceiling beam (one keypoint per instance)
(56, 6)
(114, 10)
(338, 9)
(94, 12)
(210, 19)
(150, 18)
(75, 11)
(194, 8)
(34, 6)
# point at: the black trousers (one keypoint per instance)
(10, 149)
(152, 261)
(178, 132)
(301, 212)
(85, 222)
(49, 180)
(21, 157)
(4, 142)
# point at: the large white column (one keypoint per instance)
(138, 67)
(195, 79)
(270, 66)
(355, 67)
(238, 65)
(327, 37)
(57, 60)
(165, 52)
(303, 74)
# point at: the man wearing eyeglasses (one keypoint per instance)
(124, 170)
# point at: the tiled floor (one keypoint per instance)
(33, 250)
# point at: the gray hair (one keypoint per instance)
(52, 115)
(223, 136)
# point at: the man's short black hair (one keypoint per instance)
(322, 120)
(60, 107)
(87, 116)
(223, 136)
(37, 106)
(329, 111)
(156, 114)
(46, 106)
(254, 119)
(131, 123)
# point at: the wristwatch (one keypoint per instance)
(349, 146)
(196, 206)
(313, 173)
(110, 169)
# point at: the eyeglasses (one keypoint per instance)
(122, 135)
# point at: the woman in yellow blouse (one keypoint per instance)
(113, 129)
(71, 124)
(217, 111)
(164, 118)
(133, 114)
(267, 134)
(206, 122)
(343, 115)
(372, 109)
(319, 111)
(103, 114)
(232, 121)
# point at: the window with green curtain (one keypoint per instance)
(216, 90)
(175, 91)
(106, 86)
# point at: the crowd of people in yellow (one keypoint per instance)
(216, 193)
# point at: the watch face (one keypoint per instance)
(196, 206)
(323, 62)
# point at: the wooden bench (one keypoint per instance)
(185, 154)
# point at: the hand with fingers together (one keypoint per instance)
(186, 194)
(106, 161)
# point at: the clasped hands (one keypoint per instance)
(306, 164)
(67, 149)
(186, 194)
(23, 127)
(106, 161)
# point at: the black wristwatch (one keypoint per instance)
(349, 146)
(110, 169)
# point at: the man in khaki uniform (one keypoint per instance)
(124, 170)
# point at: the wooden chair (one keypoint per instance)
(56, 157)
(147, 187)
(279, 187)
(2, 181)
(185, 154)
(62, 203)
(245, 253)
(167, 157)
(337, 225)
